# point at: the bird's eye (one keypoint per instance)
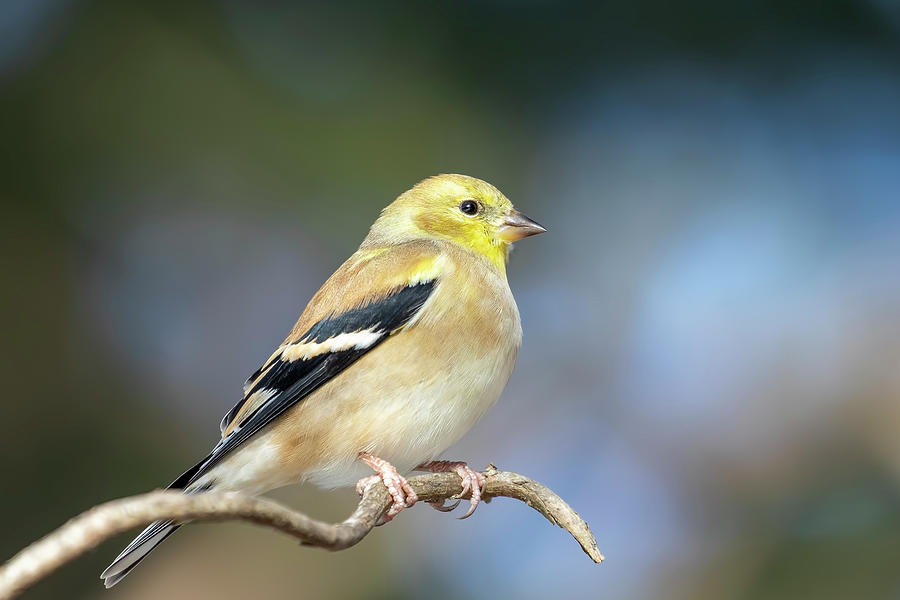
(469, 207)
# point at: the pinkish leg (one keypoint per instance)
(472, 483)
(401, 492)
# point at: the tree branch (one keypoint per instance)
(103, 521)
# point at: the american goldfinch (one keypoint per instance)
(398, 354)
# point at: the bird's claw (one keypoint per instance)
(398, 487)
(441, 506)
(472, 483)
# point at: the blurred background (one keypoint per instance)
(711, 366)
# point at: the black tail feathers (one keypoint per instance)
(153, 535)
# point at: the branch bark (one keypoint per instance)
(103, 521)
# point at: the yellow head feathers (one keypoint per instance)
(456, 208)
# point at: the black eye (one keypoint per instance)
(469, 207)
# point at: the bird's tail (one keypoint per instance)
(135, 552)
(154, 534)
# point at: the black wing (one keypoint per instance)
(287, 382)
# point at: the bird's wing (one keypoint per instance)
(373, 296)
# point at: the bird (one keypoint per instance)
(393, 360)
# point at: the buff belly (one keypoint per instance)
(406, 405)
(410, 426)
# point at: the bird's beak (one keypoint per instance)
(516, 226)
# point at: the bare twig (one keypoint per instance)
(111, 518)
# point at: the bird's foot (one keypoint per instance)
(401, 492)
(472, 483)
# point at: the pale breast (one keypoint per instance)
(408, 399)
(418, 393)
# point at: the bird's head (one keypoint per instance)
(461, 209)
